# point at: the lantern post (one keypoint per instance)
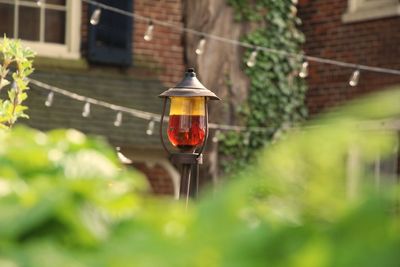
(187, 128)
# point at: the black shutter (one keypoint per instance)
(110, 41)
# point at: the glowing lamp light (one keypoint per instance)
(187, 126)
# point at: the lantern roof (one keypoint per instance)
(190, 86)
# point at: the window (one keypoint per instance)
(110, 41)
(359, 10)
(50, 27)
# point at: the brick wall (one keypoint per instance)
(158, 177)
(161, 58)
(374, 42)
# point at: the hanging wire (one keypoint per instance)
(95, 18)
(251, 62)
(118, 119)
(354, 78)
(150, 128)
(134, 112)
(200, 47)
(379, 124)
(49, 100)
(304, 70)
(148, 35)
(244, 44)
(86, 110)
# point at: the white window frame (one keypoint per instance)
(362, 10)
(71, 48)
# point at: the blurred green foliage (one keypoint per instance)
(65, 201)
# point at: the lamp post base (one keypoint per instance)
(190, 164)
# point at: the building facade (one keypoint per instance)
(357, 31)
(109, 61)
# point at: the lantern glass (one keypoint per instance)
(186, 127)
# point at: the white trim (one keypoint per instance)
(73, 30)
(174, 174)
(52, 50)
(360, 10)
(152, 158)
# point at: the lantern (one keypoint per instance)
(187, 124)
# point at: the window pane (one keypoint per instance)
(29, 23)
(55, 27)
(56, 2)
(7, 20)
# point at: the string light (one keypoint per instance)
(122, 157)
(95, 18)
(49, 100)
(243, 44)
(39, 3)
(215, 138)
(251, 62)
(118, 119)
(200, 47)
(304, 70)
(148, 35)
(293, 10)
(355, 77)
(156, 117)
(150, 128)
(246, 140)
(86, 110)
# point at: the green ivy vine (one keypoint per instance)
(276, 99)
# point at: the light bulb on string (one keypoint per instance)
(86, 110)
(39, 3)
(293, 10)
(150, 128)
(354, 78)
(200, 47)
(49, 100)
(304, 70)
(148, 35)
(95, 18)
(215, 138)
(118, 119)
(251, 62)
(246, 138)
(122, 157)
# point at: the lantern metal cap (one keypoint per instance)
(190, 86)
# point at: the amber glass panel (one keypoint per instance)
(29, 23)
(55, 27)
(186, 126)
(6, 20)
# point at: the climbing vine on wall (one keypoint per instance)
(276, 93)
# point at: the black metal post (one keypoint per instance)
(190, 164)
